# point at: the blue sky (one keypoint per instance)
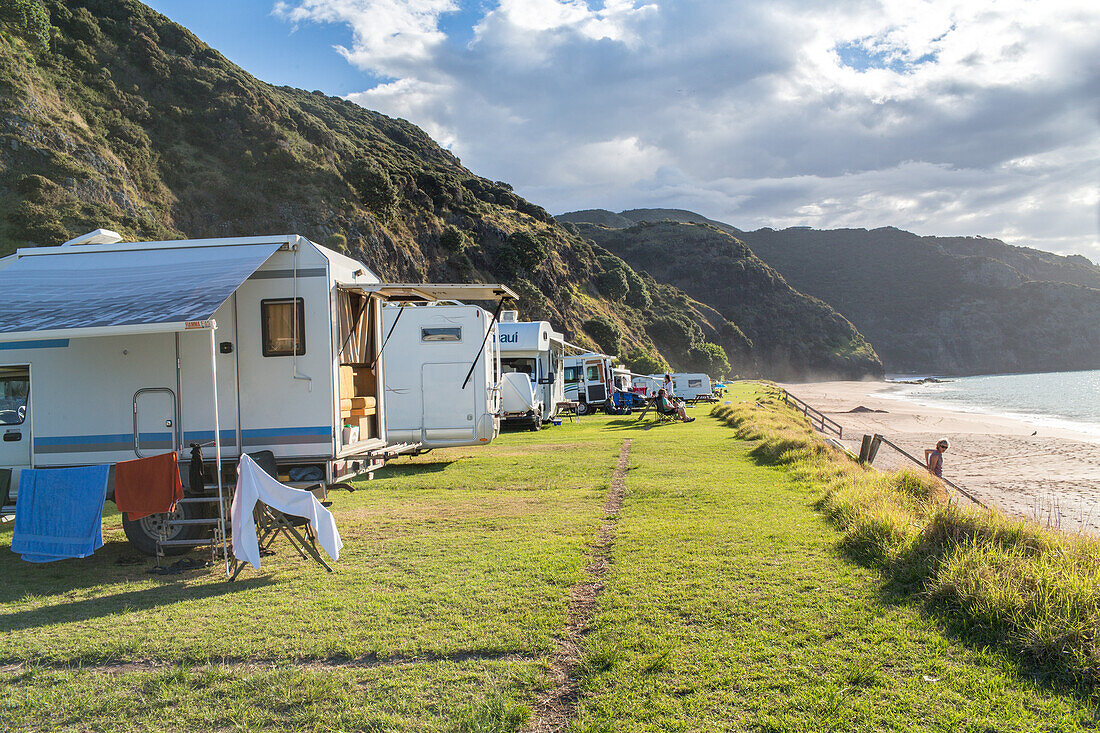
(947, 117)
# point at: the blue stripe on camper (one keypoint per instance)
(283, 436)
(41, 344)
(100, 443)
(229, 437)
(125, 441)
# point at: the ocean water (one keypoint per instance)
(1059, 399)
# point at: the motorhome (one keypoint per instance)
(117, 350)
(442, 366)
(588, 381)
(534, 348)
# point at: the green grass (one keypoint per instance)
(732, 603)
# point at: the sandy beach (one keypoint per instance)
(1044, 474)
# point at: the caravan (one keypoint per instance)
(111, 351)
(537, 351)
(442, 370)
(691, 387)
(588, 381)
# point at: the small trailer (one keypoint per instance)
(535, 349)
(588, 381)
(127, 350)
(443, 369)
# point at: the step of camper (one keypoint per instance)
(187, 543)
(192, 522)
(199, 500)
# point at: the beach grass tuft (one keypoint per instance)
(1028, 589)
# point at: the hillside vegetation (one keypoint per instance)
(792, 334)
(947, 305)
(113, 116)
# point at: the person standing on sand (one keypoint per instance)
(933, 459)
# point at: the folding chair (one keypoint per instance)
(270, 523)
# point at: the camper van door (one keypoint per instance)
(595, 375)
(15, 419)
(449, 409)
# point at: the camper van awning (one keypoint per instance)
(435, 291)
(64, 291)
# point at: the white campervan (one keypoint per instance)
(123, 350)
(442, 374)
(538, 351)
(588, 381)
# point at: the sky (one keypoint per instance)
(947, 117)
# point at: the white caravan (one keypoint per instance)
(123, 350)
(537, 350)
(442, 373)
(588, 381)
(693, 386)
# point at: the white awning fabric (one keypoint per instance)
(64, 291)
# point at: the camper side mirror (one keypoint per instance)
(548, 379)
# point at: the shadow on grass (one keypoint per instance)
(127, 602)
(411, 469)
(633, 423)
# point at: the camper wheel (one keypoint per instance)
(143, 533)
(583, 408)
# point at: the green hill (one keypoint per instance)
(947, 305)
(793, 335)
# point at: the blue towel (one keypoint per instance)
(59, 513)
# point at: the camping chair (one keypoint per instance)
(271, 523)
(659, 417)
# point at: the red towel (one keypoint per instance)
(147, 486)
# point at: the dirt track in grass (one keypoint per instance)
(556, 709)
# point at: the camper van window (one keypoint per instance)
(525, 366)
(593, 374)
(13, 399)
(439, 333)
(277, 324)
(572, 374)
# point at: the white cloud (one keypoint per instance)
(940, 116)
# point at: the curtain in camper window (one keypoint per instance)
(354, 313)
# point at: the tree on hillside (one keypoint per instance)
(606, 333)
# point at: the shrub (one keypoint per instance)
(374, 186)
(337, 242)
(606, 333)
(453, 239)
(709, 358)
(638, 296)
(613, 284)
(674, 333)
(30, 18)
(522, 252)
(641, 361)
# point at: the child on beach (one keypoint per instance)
(933, 459)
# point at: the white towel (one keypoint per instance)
(254, 484)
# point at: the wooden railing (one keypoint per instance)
(816, 417)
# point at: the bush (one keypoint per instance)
(606, 333)
(30, 18)
(613, 284)
(453, 239)
(641, 361)
(337, 242)
(523, 252)
(374, 186)
(674, 333)
(638, 296)
(708, 358)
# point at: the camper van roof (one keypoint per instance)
(115, 289)
(528, 336)
(435, 291)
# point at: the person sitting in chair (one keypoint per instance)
(665, 406)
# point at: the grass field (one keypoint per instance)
(728, 606)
